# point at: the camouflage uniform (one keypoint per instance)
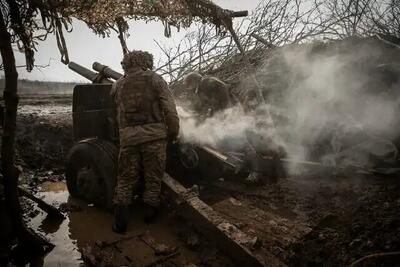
(210, 95)
(264, 152)
(146, 114)
(151, 158)
(213, 94)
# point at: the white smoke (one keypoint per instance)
(330, 98)
(227, 127)
(330, 102)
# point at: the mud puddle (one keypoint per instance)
(46, 105)
(65, 252)
(85, 236)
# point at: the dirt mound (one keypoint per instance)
(355, 224)
(348, 217)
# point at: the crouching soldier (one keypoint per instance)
(147, 117)
(210, 95)
(264, 150)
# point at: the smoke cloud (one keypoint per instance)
(336, 106)
(225, 129)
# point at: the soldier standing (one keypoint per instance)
(147, 117)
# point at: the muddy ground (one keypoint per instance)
(308, 220)
(85, 238)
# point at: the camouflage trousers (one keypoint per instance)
(141, 166)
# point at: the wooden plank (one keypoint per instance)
(232, 241)
(275, 230)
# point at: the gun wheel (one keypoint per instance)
(91, 170)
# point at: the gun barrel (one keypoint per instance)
(237, 14)
(106, 71)
(88, 74)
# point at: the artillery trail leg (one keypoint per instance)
(230, 240)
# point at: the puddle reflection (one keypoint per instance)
(65, 252)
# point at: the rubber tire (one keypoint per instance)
(100, 157)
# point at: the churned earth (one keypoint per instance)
(318, 221)
(85, 237)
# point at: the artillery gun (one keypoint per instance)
(91, 165)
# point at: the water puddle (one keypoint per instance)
(46, 111)
(65, 252)
(86, 226)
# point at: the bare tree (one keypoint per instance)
(199, 50)
(385, 19)
(17, 26)
(277, 23)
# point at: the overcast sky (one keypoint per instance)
(85, 47)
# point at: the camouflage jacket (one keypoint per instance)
(213, 96)
(131, 135)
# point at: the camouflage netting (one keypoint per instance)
(30, 21)
(102, 15)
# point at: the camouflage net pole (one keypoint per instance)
(252, 75)
(122, 28)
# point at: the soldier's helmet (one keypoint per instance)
(137, 58)
(192, 79)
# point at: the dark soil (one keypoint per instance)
(44, 132)
(349, 217)
(44, 138)
(350, 223)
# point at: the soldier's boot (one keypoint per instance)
(150, 214)
(121, 219)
